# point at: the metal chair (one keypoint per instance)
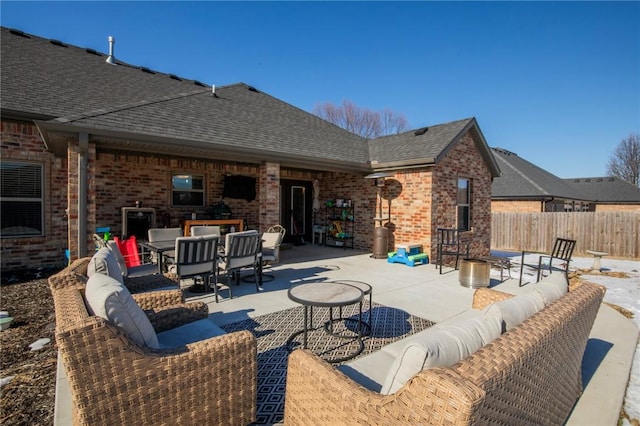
(163, 234)
(562, 250)
(271, 242)
(449, 243)
(241, 250)
(199, 230)
(196, 257)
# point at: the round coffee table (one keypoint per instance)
(329, 295)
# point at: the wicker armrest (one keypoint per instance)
(483, 297)
(114, 381)
(317, 393)
(64, 279)
(174, 316)
(157, 299)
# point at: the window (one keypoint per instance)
(21, 198)
(463, 204)
(188, 190)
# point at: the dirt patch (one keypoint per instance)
(28, 399)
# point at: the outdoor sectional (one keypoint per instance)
(530, 374)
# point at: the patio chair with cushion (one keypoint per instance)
(122, 371)
(562, 252)
(199, 230)
(450, 243)
(196, 258)
(163, 235)
(241, 250)
(271, 242)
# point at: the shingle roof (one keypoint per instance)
(427, 145)
(67, 89)
(609, 189)
(523, 180)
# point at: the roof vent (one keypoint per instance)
(57, 43)
(111, 59)
(147, 70)
(92, 51)
(18, 33)
(174, 77)
(252, 89)
(213, 91)
(197, 83)
(421, 131)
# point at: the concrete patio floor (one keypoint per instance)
(423, 292)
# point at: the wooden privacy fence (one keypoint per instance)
(617, 233)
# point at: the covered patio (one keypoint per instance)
(418, 291)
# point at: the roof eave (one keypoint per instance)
(56, 136)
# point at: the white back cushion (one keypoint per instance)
(442, 348)
(113, 246)
(517, 309)
(105, 263)
(109, 299)
(552, 288)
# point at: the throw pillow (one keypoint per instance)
(442, 348)
(105, 263)
(109, 299)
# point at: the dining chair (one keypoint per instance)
(450, 243)
(163, 234)
(241, 250)
(562, 251)
(271, 242)
(199, 230)
(195, 257)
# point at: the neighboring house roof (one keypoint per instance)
(427, 146)
(523, 180)
(68, 90)
(606, 190)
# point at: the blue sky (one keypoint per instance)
(558, 83)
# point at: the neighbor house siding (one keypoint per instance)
(22, 141)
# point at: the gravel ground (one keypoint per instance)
(28, 398)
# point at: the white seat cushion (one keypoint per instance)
(189, 333)
(442, 347)
(105, 263)
(109, 299)
(517, 309)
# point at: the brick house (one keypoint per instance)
(82, 138)
(608, 194)
(527, 188)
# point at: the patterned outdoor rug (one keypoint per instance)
(273, 330)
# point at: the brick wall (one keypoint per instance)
(463, 161)
(617, 207)
(516, 206)
(21, 141)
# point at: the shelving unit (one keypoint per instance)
(340, 226)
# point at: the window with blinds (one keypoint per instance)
(21, 196)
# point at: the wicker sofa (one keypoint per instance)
(201, 376)
(530, 374)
